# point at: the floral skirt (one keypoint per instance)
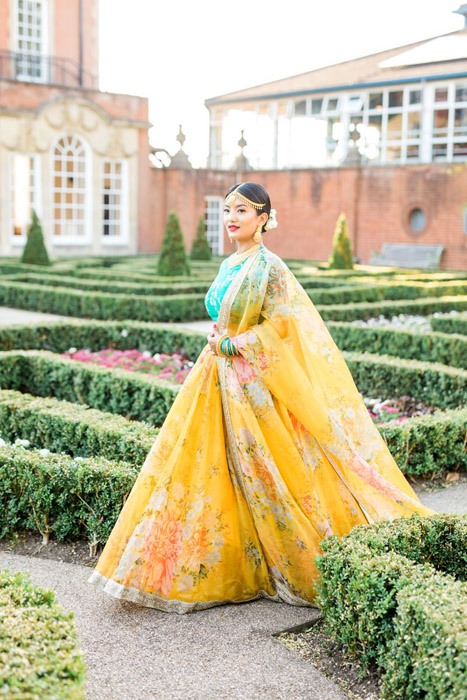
(232, 501)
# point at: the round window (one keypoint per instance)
(417, 219)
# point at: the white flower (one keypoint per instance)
(187, 531)
(146, 353)
(156, 356)
(212, 558)
(159, 499)
(2, 442)
(21, 443)
(185, 582)
(124, 333)
(80, 459)
(272, 220)
(72, 350)
(44, 451)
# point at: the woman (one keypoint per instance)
(267, 448)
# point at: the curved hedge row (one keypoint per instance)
(186, 307)
(59, 336)
(395, 594)
(423, 445)
(132, 395)
(96, 335)
(72, 428)
(445, 348)
(141, 288)
(147, 398)
(450, 324)
(61, 495)
(368, 293)
(39, 651)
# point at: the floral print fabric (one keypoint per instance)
(260, 456)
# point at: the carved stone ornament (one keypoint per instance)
(37, 131)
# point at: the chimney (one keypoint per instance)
(462, 11)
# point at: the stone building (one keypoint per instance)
(77, 155)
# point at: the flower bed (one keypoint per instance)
(173, 368)
(397, 409)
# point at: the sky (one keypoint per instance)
(178, 53)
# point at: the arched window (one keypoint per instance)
(71, 197)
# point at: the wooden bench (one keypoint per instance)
(423, 257)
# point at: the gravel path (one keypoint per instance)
(143, 654)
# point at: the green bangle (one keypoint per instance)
(231, 348)
(227, 348)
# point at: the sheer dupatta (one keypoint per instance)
(284, 342)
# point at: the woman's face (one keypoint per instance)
(241, 220)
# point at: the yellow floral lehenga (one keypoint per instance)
(260, 457)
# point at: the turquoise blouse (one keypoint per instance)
(218, 288)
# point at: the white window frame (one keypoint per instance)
(450, 105)
(217, 240)
(122, 238)
(86, 238)
(34, 196)
(43, 42)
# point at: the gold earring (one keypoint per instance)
(257, 236)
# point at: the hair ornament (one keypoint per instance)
(230, 199)
(272, 221)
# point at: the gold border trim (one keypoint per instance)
(151, 600)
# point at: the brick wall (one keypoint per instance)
(376, 200)
(62, 31)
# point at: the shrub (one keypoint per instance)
(172, 258)
(200, 249)
(38, 644)
(450, 324)
(394, 594)
(73, 428)
(34, 252)
(341, 254)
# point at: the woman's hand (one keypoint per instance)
(213, 337)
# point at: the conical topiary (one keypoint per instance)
(341, 254)
(172, 257)
(34, 251)
(200, 250)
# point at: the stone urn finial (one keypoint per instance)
(180, 159)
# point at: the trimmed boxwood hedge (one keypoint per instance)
(147, 398)
(450, 324)
(114, 286)
(186, 307)
(354, 312)
(395, 594)
(386, 376)
(446, 348)
(425, 445)
(75, 302)
(135, 396)
(429, 445)
(62, 496)
(60, 336)
(72, 428)
(385, 292)
(39, 650)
